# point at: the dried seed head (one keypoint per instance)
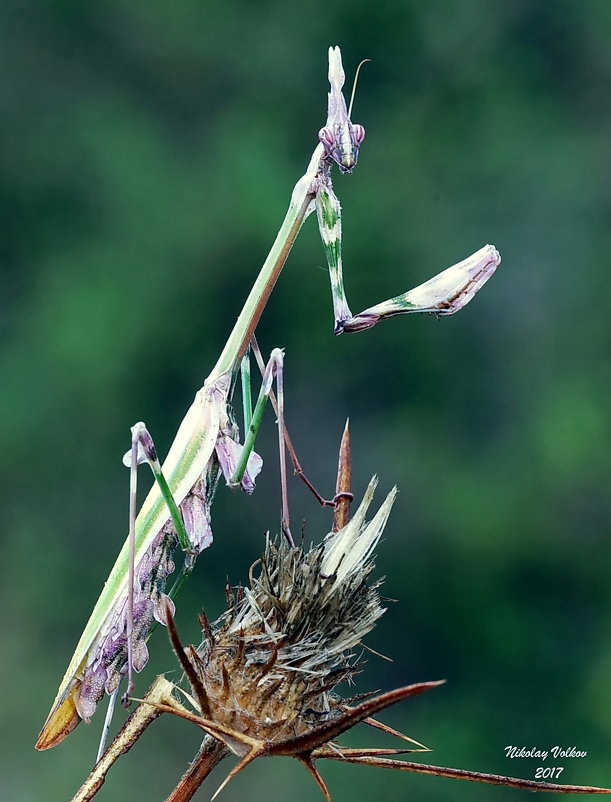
(265, 675)
(269, 666)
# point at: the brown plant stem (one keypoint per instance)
(159, 692)
(462, 774)
(210, 754)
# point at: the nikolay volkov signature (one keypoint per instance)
(542, 754)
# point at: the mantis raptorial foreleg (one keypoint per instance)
(444, 294)
(329, 214)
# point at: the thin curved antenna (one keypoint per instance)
(356, 77)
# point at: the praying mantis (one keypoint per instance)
(176, 511)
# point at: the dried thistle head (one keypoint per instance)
(270, 664)
(265, 676)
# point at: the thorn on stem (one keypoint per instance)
(343, 496)
(196, 684)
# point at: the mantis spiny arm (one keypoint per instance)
(329, 213)
(444, 294)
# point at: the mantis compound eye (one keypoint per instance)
(325, 135)
(359, 133)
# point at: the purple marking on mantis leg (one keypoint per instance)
(229, 453)
(195, 511)
(146, 451)
(108, 660)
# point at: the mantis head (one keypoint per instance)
(342, 142)
(340, 138)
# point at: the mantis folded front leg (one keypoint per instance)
(444, 294)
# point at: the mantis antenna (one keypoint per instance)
(356, 77)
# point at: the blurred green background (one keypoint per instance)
(148, 154)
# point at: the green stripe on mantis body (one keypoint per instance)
(329, 211)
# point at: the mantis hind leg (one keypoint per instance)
(278, 406)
